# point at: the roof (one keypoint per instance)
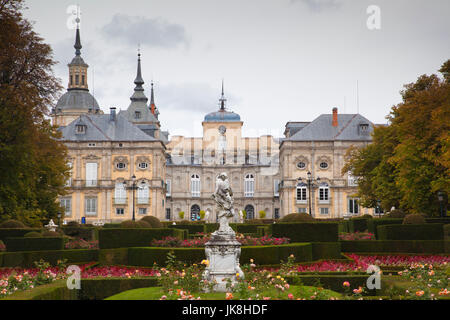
(100, 127)
(77, 99)
(222, 116)
(321, 129)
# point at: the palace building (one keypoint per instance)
(125, 166)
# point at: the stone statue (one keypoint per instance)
(224, 200)
(241, 216)
(207, 213)
(51, 226)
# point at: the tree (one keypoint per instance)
(33, 165)
(409, 160)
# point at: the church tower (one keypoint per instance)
(77, 100)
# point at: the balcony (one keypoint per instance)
(120, 200)
(91, 183)
(301, 201)
(142, 200)
(324, 201)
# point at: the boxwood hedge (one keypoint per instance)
(34, 244)
(192, 228)
(15, 233)
(396, 246)
(429, 231)
(123, 238)
(372, 224)
(307, 231)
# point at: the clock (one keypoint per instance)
(222, 129)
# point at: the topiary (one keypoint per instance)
(396, 213)
(51, 234)
(152, 221)
(12, 224)
(134, 224)
(297, 217)
(414, 219)
(32, 234)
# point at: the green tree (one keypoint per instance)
(409, 160)
(33, 165)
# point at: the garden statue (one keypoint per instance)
(207, 213)
(224, 200)
(51, 226)
(241, 216)
(223, 250)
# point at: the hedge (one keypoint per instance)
(372, 224)
(192, 228)
(146, 257)
(326, 250)
(273, 255)
(16, 233)
(263, 231)
(358, 224)
(429, 231)
(34, 244)
(246, 228)
(211, 227)
(85, 233)
(109, 257)
(443, 220)
(307, 231)
(343, 226)
(396, 246)
(123, 238)
(27, 259)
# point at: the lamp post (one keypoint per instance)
(441, 196)
(59, 219)
(310, 184)
(133, 187)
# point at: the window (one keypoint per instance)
(120, 194)
(66, 203)
(323, 210)
(121, 165)
(82, 79)
(168, 214)
(195, 185)
(364, 128)
(77, 79)
(137, 114)
(71, 80)
(91, 174)
(168, 188)
(301, 193)
(195, 212)
(324, 191)
(120, 211)
(301, 210)
(353, 206)
(143, 165)
(249, 185)
(301, 165)
(80, 129)
(250, 211)
(276, 213)
(143, 193)
(91, 206)
(142, 211)
(91, 144)
(323, 165)
(276, 188)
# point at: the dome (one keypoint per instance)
(222, 116)
(77, 99)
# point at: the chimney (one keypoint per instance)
(335, 117)
(112, 115)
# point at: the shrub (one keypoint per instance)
(262, 214)
(126, 237)
(32, 234)
(297, 217)
(394, 246)
(73, 224)
(13, 233)
(430, 231)
(202, 214)
(152, 221)
(366, 216)
(358, 224)
(192, 228)
(51, 234)
(12, 224)
(33, 244)
(414, 219)
(396, 213)
(372, 224)
(326, 250)
(447, 231)
(85, 233)
(307, 231)
(181, 215)
(134, 224)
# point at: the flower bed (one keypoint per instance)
(356, 236)
(200, 242)
(79, 243)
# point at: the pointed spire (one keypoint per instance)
(222, 100)
(77, 45)
(138, 94)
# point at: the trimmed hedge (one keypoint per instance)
(109, 257)
(246, 228)
(372, 224)
(192, 228)
(26, 259)
(396, 246)
(146, 257)
(124, 237)
(15, 233)
(99, 289)
(343, 226)
(307, 231)
(85, 233)
(429, 231)
(326, 250)
(211, 227)
(273, 255)
(263, 231)
(34, 244)
(358, 224)
(444, 220)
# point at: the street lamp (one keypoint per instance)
(59, 219)
(441, 196)
(309, 181)
(133, 187)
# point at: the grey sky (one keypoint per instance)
(282, 60)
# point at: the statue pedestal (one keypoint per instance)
(223, 252)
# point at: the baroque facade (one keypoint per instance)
(174, 178)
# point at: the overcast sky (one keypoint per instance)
(281, 60)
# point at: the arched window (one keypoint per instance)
(143, 193)
(195, 185)
(250, 211)
(301, 193)
(120, 194)
(249, 185)
(195, 212)
(324, 193)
